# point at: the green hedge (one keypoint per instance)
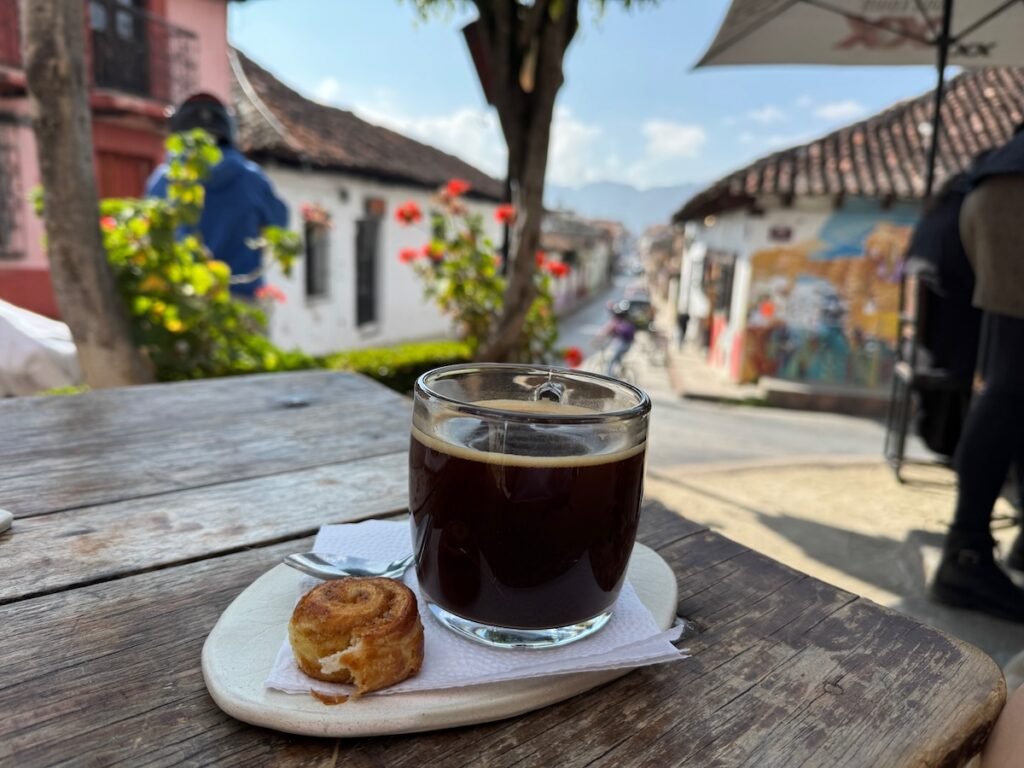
(399, 366)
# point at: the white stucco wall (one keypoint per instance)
(328, 324)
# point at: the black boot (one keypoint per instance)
(968, 577)
(1015, 557)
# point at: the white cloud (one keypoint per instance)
(573, 158)
(327, 91)
(474, 135)
(804, 101)
(667, 139)
(668, 147)
(767, 114)
(840, 110)
(746, 137)
(579, 151)
(469, 133)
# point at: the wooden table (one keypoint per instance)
(141, 513)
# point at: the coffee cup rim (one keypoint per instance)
(642, 407)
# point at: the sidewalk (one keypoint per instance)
(694, 378)
(847, 522)
(690, 374)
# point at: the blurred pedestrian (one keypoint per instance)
(240, 200)
(950, 328)
(682, 322)
(992, 230)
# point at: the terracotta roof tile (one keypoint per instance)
(275, 121)
(885, 154)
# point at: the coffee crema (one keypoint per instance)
(509, 539)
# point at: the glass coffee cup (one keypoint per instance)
(525, 485)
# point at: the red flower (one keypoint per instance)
(505, 214)
(408, 213)
(573, 356)
(557, 268)
(540, 256)
(108, 223)
(270, 292)
(407, 255)
(457, 187)
(315, 214)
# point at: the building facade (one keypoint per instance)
(586, 248)
(795, 260)
(350, 290)
(142, 57)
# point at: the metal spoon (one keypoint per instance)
(340, 566)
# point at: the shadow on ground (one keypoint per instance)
(901, 567)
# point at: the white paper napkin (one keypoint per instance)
(631, 638)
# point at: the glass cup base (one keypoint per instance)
(506, 637)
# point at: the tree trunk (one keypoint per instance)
(515, 35)
(53, 35)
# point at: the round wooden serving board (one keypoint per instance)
(241, 649)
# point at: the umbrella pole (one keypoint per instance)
(943, 55)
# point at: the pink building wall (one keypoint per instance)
(209, 20)
(26, 281)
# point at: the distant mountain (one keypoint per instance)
(636, 208)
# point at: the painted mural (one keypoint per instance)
(824, 309)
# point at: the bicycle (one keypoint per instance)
(653, 344)
(598, 363)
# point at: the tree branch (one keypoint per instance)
(526, 122)
(530, 26)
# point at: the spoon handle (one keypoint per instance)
(299, 563)
(325, 571)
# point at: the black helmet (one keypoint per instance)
(206, 111)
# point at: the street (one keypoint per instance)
(690, 432)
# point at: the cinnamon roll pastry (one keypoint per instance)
(363, 631)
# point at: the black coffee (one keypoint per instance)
(518, 541)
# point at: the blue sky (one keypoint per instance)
(631, 109)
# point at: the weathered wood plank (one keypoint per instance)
(786, 670)
(112, 672)
(56, 551)
(661, 527)
(275, 441)
(638, 710)
(105, 414)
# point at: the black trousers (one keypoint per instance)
(993, 436)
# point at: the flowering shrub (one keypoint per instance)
(460, 270)
(573, 356)
(182, 314)
(505, 214)
(315, 215)
(270, 292)
(408, 213)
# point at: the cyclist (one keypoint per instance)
(621, 331)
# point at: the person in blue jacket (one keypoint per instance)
(240, 200)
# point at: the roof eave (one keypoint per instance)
(288, 157)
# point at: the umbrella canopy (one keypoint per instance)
(868, 32)
(873, 32)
